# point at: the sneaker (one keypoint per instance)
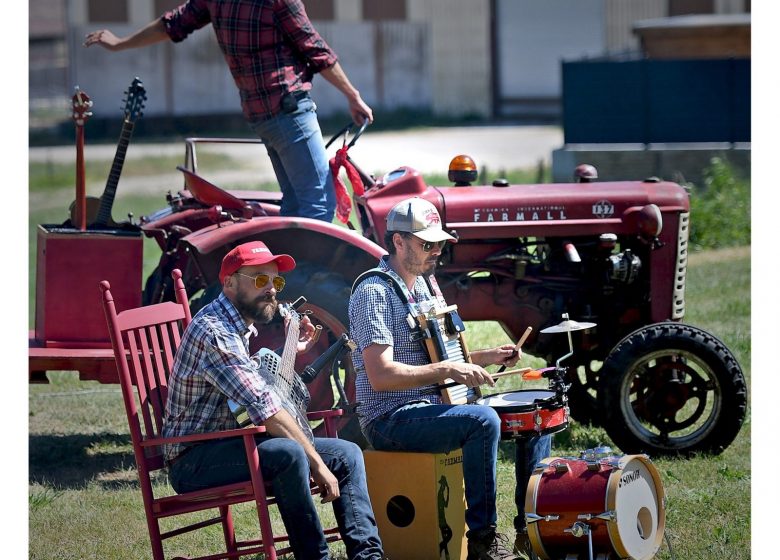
(523, 547)
(489, 545)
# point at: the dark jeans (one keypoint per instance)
(528, 452)
(438, 428)
(284, 464)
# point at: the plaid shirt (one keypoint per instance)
(270, 46)
(378, 316)
(211, 366)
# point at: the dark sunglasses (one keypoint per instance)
(261, 280)
(428, 246)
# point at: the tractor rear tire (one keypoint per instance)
(672, 389)
(327, 294)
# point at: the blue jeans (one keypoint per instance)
(528, 452)
(297, 152)
(284, 464)
(438, 428)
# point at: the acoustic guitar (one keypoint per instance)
(98, 210)
(82, 106)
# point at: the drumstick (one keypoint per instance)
(517, 346)
(512, 372)
(494, 376)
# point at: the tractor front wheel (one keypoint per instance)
(672, 389)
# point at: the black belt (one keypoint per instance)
(289, 103)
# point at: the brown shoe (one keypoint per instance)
(489, 545)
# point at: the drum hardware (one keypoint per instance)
(606, 516)
(533, 518)
(580, 529)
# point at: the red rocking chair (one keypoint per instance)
(145, 340)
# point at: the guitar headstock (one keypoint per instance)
(135, 96)
(82, 106)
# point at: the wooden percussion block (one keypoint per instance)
(419, 503)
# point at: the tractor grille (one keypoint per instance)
(678, 297)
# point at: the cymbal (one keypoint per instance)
(568, 325)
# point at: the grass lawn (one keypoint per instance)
(84, 502)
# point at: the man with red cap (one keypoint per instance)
(213, 365)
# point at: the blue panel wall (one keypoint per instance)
(656, 101)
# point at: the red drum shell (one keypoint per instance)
(630, 487)
(528, 413)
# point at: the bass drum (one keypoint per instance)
(619, 500)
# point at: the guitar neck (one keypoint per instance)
(107, 199)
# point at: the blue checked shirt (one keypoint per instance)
(211, 366)
(378, 316)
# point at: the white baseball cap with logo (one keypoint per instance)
(419, 217)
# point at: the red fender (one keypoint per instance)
(337, 248)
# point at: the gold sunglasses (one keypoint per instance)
(261, 280)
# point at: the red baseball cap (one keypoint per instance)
(252, 253)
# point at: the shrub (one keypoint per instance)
(720, 208)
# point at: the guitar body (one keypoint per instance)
(93, 204)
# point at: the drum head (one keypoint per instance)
(636, 495)
(517, 399)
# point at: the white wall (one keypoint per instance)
(535, 35)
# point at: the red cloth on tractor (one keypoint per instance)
(343, 200)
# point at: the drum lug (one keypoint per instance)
(562, 467)
(533, 518)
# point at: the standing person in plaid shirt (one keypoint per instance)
(213, 365)
(272, 51)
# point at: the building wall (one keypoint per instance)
(452, 57)
(460, 53)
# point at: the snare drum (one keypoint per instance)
(529, 412)
(618, 500)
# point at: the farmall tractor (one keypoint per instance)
(610, 253)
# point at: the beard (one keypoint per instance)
(258, 310)
(424, 267)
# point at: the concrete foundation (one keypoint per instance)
(681, 163)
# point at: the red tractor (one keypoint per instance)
(611, 253)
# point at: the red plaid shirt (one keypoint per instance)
(270, 46)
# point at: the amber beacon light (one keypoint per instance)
(462, 171)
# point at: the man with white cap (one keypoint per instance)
(400, 408)
(213, 365)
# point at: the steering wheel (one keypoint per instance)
(345, 133)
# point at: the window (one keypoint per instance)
(109, 12)
(322, 10)
(384, 10)
(683, 7)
